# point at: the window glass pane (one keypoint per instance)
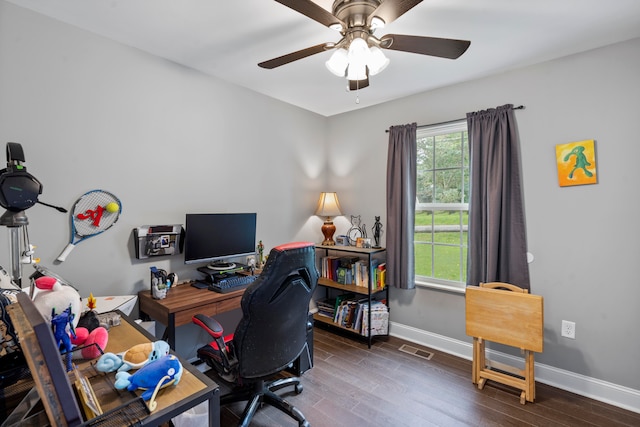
(465, 149)
(447, 262)
(425, 152)
(449, 228)
(424, 187)
(447, 151)
(423, 227)
(465, 186)
(448, 186)
(423, 259)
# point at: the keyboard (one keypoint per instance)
(232, 283)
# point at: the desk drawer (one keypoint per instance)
(184, 317)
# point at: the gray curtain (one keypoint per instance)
(401, 204)
(497, 235)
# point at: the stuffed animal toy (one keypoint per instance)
(134, 358)
(90, 335)
(152, 377)
(87, 338)
(53, 295)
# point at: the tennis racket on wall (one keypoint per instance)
(93, 213)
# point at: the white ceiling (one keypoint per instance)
(227, 39)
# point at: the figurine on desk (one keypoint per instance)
(59, 324)
(252, 265)
(260, 254)
(377, 231)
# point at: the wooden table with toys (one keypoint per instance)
(98, 399)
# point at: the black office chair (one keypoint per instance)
(271, 334)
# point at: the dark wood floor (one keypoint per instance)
(353, 386)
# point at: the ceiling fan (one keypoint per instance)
(358, 54)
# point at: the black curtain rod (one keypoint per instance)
(519, 107)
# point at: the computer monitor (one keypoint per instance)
(216, 237)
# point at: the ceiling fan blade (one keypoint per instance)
(390, 10)
(443, 48)
(358, 84)
(294, 56)
(313, 11)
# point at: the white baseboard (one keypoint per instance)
(613, 394)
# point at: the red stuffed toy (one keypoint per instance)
(85, 337)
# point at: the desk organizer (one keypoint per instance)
(158, 240)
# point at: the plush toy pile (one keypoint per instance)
(54, 298)
(156, 369)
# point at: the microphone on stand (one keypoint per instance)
(58, 208)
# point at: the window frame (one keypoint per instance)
(429, 131)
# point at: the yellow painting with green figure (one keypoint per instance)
(576, 163)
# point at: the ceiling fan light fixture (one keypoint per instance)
(376, 23)
(358, 55)
(377, 61)
(338, 62)
(357, 48)
(357, 71)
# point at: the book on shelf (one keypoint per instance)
(351, 270)
(329, 266)
(347, 313)
(326, 307)
(381, 276)
(348, 261)
(338, 303)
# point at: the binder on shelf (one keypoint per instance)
(379, 319)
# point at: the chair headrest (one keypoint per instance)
(292, 245)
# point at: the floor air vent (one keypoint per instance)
(416, 351)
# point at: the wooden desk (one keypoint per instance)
(184, 301)
(119, 407)
(194, 387)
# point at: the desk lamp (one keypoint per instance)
(328, 206)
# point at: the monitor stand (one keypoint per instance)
(221, 266)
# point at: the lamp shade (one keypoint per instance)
(328, 205)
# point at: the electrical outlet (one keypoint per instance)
(569, 329)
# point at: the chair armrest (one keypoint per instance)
(209, 324)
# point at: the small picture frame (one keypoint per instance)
(164, 241)
(359, 242)
(341, 240)
(366, 243)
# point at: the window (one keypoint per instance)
(442, 205)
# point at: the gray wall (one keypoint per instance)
(91, 113)
(584, 238)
